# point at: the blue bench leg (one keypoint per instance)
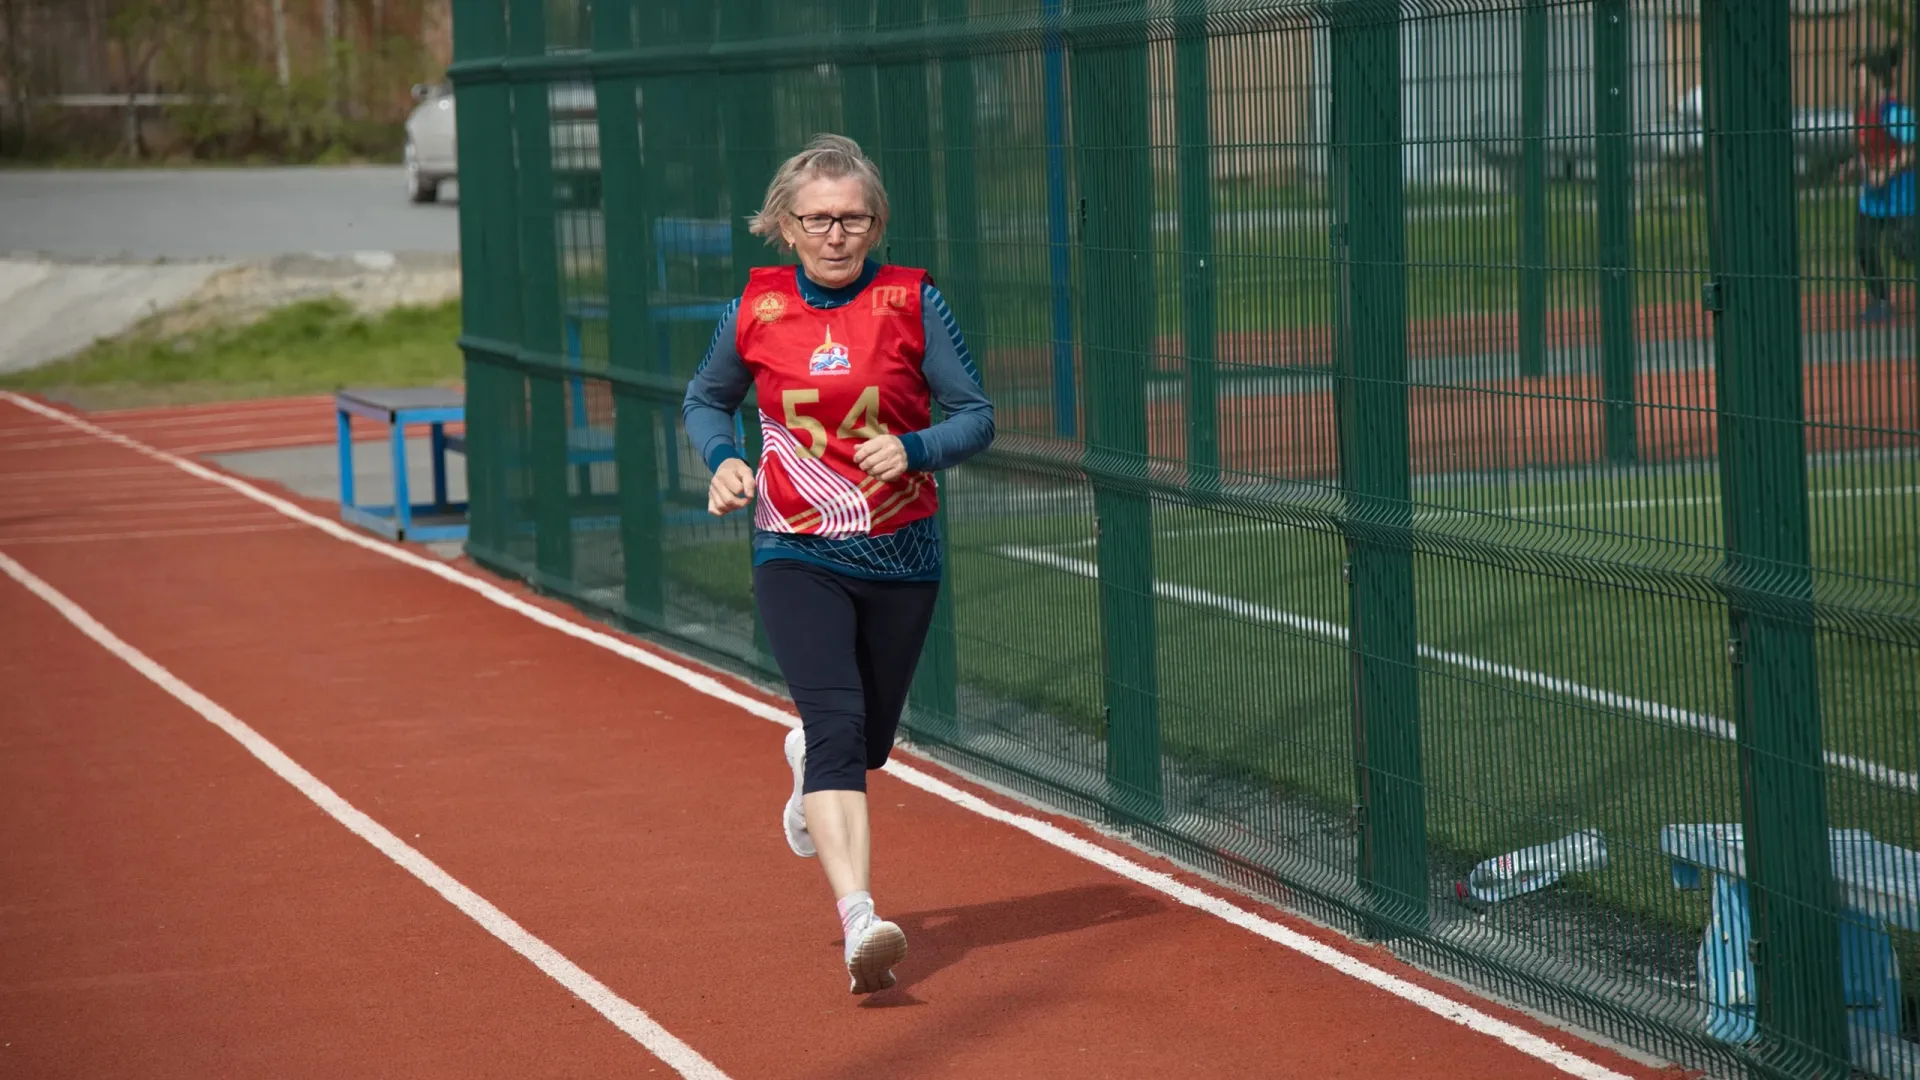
(1870, 976)
(402, 498)
(439, 466)
(1725, 965)
(344, 426)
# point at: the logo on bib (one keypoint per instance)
(830, 358)
(890, 299)
(769, 308)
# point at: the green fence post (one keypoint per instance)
(746, 114)
(1747, 54)
(628, 208)
(1114, 164)
(1613, 161)
(1533, 188)
(905, 111)
(540, 301)
(935, 693)
(489, 267)
(1374, 462)
(1193, 96)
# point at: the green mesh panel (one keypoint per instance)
(1427, 429)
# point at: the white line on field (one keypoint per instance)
(624, 1014)
(1496, 512)
(1520, 1039)
(1331, 631)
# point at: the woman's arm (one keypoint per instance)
(955, 385)
(715, 392)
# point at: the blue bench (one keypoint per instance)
(403, 519)
(586, 444)
(1879, 886)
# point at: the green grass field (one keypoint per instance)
(1548, 703)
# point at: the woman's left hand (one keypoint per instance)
(883, 457)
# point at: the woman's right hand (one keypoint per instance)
(731, 487)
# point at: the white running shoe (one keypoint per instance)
(877, 946)
(794, 820)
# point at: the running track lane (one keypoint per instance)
(221, 427)
(630, 822)
(174, 909)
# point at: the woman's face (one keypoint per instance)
(835, 257)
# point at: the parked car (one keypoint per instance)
(432, 157)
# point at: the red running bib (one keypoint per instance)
(828, 380)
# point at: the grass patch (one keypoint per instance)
(310, 347)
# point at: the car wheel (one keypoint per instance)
(420, 188)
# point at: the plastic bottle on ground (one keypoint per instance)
(1519, 872)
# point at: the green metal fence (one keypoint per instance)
(1428, 430)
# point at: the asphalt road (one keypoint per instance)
(218, 213)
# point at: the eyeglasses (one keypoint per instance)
(822, 224)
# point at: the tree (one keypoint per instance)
(140, 29)
(16, 82)
(282, 65)
(330, 32)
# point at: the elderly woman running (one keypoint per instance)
(844, 354)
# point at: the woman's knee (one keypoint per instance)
(836, 754)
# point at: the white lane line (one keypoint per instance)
(624, 1014)
(143, 534)
(1520, 1039)
(1687, 719)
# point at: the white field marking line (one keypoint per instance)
(1512, 1035)
(624, 1014)
(148, 534)
(1499, 511)
(1260, 613)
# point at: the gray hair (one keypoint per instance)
(827, 157)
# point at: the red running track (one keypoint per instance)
(176, 909)
(228, 426)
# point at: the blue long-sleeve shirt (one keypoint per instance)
(912, 552)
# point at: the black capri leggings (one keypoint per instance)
(1868, 235)
(847, 647)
